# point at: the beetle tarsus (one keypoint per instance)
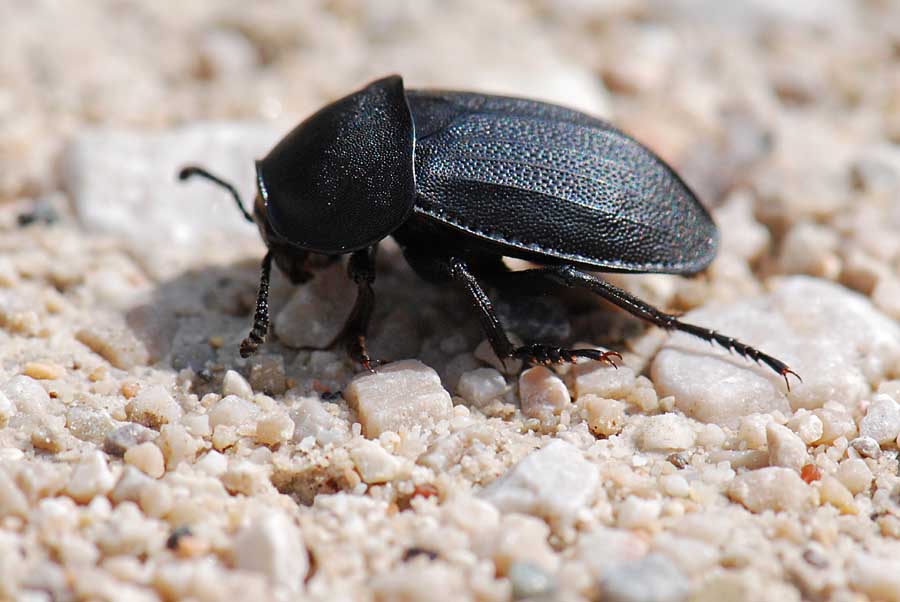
(190, 171)
(549, 355)
(260, 328)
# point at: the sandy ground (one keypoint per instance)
(142, 459)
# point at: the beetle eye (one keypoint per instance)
(343, 179)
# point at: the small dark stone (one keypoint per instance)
(679, 461)
(176, 536)
(42, 212)
(414, 551)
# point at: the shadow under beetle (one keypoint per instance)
(462, 179)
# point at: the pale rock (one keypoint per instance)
(7, 409)
(675, 485)
(197, 425)
(785, 448)
(119, 440)
(273, 546)
(882, 420)
(832, 491)
(807, 425)
(666, 432)
(651, 579)
(447, 450)
(876, 576)
(530, 582)
(481, 386)
(311, 419)
(413, 582)
(317, 311)
(110, 337)
(692, 556)
(772, 488)
(867, 447)
(156, 499)
(27, 395)
(374, 463)
(523, 539)
(212, 463)
(128, 487)
(267, 374)
(794, 322)
(810, 248)
(752, 430)
(88, 424)
(90, 478)
(606, 417)
(554, 482)
(232, 411)
(855, 475)
(273, 428)
(837, 422)
(605, 547)
(637, 513)
(542, 392)
(114, 176)
(602, 380)
(177, 445)
(400, 396)
(235, 384)
(12, 501)
(147, 458)
(153, 407)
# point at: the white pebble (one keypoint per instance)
(785, 448)
(652, 578)
(153, 407)
(772, 488)
(542, 392)
(147, 458)
(666, 432)
(882, 420)
(876, 576)
(212, 463)
(232, 411)
(855, 475)
(481, 386)
(636, 513)
(27, 394)
(400, 396)
(374, 463)
(602, 380)
(90, 478)
(274, 427)
(837, 422)
(273, 545)
(7, 409)
(605, 547)
(675, 485)
(554, 482)
(606, 417)
(752, 431)
(867, 447)
(311, 419)
(235, 384)
(807, 425)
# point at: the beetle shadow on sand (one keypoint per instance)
(197, 320)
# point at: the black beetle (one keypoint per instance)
(462, 179)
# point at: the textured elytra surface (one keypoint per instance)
(538, 179)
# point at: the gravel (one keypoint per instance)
(141, 459)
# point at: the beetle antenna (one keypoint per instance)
(192, 170)
(261, 318)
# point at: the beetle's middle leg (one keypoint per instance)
(360, 269)
(502, 346)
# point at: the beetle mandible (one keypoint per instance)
(461, 180)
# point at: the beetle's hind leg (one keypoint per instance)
(569, 276)
(535, 353)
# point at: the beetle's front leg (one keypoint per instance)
(535, 353)
(361, 269)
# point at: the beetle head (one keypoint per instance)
(343, 179)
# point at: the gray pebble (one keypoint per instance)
(651, 579)
(118, 441)
(529, 581)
